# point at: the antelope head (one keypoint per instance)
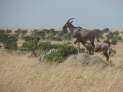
(68, 27)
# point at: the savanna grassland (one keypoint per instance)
(20, 71)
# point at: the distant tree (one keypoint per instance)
(99, 33)
(31, 44)
(18, 33)
(39, 34)
(8, 31)
(113, 37)
(49, 34)
(9, 41)
(24, 32)
(68, 36)
(106, 30)
(116, 33)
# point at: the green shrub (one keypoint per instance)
(116, 33)
(57, 38)
(59, 53)
(28, 46)
(45, 46)
(9, 41)
(112, 41)
(8, 31)
(38, 33)
(27, 38)
(106, 30)
(113, 37)
(18, 32)
(99, 33)
(31, 45)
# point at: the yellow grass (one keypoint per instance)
(27, 74)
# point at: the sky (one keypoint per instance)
(90, 14)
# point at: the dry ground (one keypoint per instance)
(26, 74)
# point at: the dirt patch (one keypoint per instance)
(85, 59)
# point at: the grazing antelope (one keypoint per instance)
(101, 47)
(81, 35)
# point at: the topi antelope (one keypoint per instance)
(81, 35)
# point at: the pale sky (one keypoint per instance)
(54, 13)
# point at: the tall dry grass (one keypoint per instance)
(27, 74)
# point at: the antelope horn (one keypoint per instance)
(69, 20)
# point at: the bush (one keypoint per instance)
(11, 43)
(57, 39)
(31, 44)
(45, 46)
(38, 33)
(116, 33)
(28, 46)
(8, 31)
(18, 32)
(24, 32)
(106, 30)
(99, 33)
(112, 41)
(113, 37)
(59, 53)
(27, 38)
